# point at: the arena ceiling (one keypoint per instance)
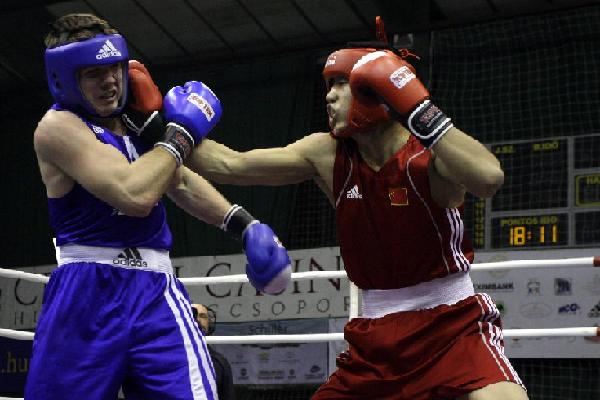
(165, 32)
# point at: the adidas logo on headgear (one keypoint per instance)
(107, 50)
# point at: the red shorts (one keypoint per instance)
(439, 353)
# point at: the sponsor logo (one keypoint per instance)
(107, 50)
(203, 105)
(569, 309)
(495, 286)
(130, 257)
(330, 60)
(594, 311)
(429, 114)
(271, 374)
(353, 193)
(402, 76)
(243, 376)
(533, 288)
(562, 287)
(535, 310)
(97, 129)
(315, 373)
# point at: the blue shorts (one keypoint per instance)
(103, 327)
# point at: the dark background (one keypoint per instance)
(501, 69)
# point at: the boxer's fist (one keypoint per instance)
(191, 111)
(193, 107)
(145, 95)
(390, 78)
(384, 75)
(145, 100)
(269, 269)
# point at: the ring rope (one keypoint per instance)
(241, 278)
(324, 337)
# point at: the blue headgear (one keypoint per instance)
(63, 63)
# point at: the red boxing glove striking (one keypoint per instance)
(393, 80)
(146, 96)
(141, 113)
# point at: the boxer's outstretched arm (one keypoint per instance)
(274, 166)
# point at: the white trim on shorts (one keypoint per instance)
(447, 290)
(140, 258)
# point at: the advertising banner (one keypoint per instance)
(275, 364)
(544, 298)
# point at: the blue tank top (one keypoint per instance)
(79, 217)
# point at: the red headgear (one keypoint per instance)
(362, 117)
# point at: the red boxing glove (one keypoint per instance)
(146, 96)
(141, 115)
(393, 80)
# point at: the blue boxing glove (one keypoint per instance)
(269, 269)
(191, 111)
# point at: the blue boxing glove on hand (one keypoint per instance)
(191, 111)
(269, 269)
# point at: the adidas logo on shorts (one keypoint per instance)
(107, 50)
(130, 257)
(353, 193)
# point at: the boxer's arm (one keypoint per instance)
(198, 197)
(274, 166)
(466, 164)
(268, 265)
(64, 141)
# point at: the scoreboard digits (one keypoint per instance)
(550, 186)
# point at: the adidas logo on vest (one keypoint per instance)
(353, 193)
(107, 50)
(130, 257)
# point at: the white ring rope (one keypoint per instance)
(27, 276)
(299, 276)
(325, 337)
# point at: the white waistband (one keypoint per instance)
(130, 257)
(447, 290)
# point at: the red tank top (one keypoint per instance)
(391, 232)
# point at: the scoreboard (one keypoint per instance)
(550, 197)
